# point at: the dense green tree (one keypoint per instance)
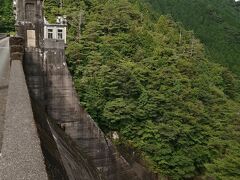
(215, 22)
(149, 79)
(6, 16)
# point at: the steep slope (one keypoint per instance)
(151, 81)
(216, 23)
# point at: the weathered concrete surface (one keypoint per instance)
(29, 18)
(17, 48)
(4, 73)
(21, 153)
(62, 104)
(21, 156)
(64, 159)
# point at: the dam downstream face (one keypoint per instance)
(63, 157)
(4, 75)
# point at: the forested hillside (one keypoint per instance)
(6, 16)
(216, 23)
(150, 80)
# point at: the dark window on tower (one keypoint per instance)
(50, 33)
(60, 34)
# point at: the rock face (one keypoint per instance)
(51, 85)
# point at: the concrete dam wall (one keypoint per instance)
(50, 83)
(21, 155)
(74, 147)
(34, 146)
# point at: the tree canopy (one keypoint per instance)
(150, 80)
(6, 16)
(215, 22)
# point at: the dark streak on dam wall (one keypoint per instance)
(64, 158)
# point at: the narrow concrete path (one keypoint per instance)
(4, 75)
(21, 157)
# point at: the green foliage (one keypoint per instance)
(215, 22)
(228, 166)
(6, 16)
(150, 80)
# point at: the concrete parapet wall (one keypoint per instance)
(21, 156)
(3, 35)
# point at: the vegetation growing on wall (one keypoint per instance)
(6, 16)
(150, 80)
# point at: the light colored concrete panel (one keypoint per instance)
(31, 38)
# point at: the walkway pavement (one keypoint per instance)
(21, 157)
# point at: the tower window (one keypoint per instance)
(60, 34)
(50, 33)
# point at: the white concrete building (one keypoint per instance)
(56, 31)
